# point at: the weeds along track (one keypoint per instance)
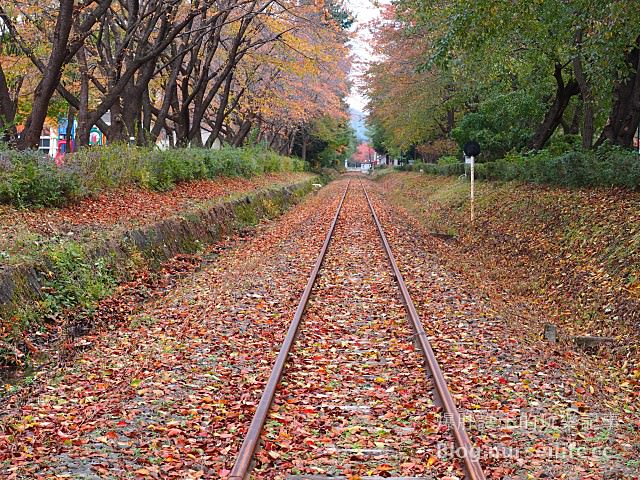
(356, 390)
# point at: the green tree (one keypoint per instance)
(584, 48)
(327, 142)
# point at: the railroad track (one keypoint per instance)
(428, 372)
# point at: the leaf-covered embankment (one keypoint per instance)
(70, 273)
(569, 257)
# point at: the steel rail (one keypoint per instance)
(473, 470)
(242, 467)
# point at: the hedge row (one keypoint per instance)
(603, 167)
(31, 179)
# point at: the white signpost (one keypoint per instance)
(472, 162)
(471, 151)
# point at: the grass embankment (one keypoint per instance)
(57, 263)
(570, 257)
(31, 179)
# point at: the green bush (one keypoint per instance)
(31, 179)
(100, 168)
(448, 160)
(76, 281)
(607, 166)
(435, 169)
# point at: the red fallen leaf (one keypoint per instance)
(581, 390)
(112, 435)
(32, 348)
(224, 472)
(63, 435)
(502, 380)
(174, 432)
(384, 468)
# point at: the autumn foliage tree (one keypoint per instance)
(439, 61)
(190, 72)
(408, 105)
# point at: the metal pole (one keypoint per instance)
(473, 178)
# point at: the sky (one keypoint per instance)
(364, 12)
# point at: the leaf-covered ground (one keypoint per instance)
(576, 413)
(570, 258)
(164, 393)
(575, 253)
(23, 232)
(169, 391)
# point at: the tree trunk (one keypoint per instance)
(131, 116)
(196, 141)
(552, 119)
(7, 111)
(71, 118)
(221, 114)
(131, 110)
(625, 113)
(305, 140)
(30, 137)
(587, 97)
(133, 102)
(244, 130)
(171, 137)
(283, 143)
(210, 141)
(573, 128)
(451, 121)
(116, 130)
(170, 98)
(292, 141)
(84, 129)
(145, 132)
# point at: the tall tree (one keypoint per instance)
(68, 17)
(559, 50)
(625, 112)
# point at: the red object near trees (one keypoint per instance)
(364, 154)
